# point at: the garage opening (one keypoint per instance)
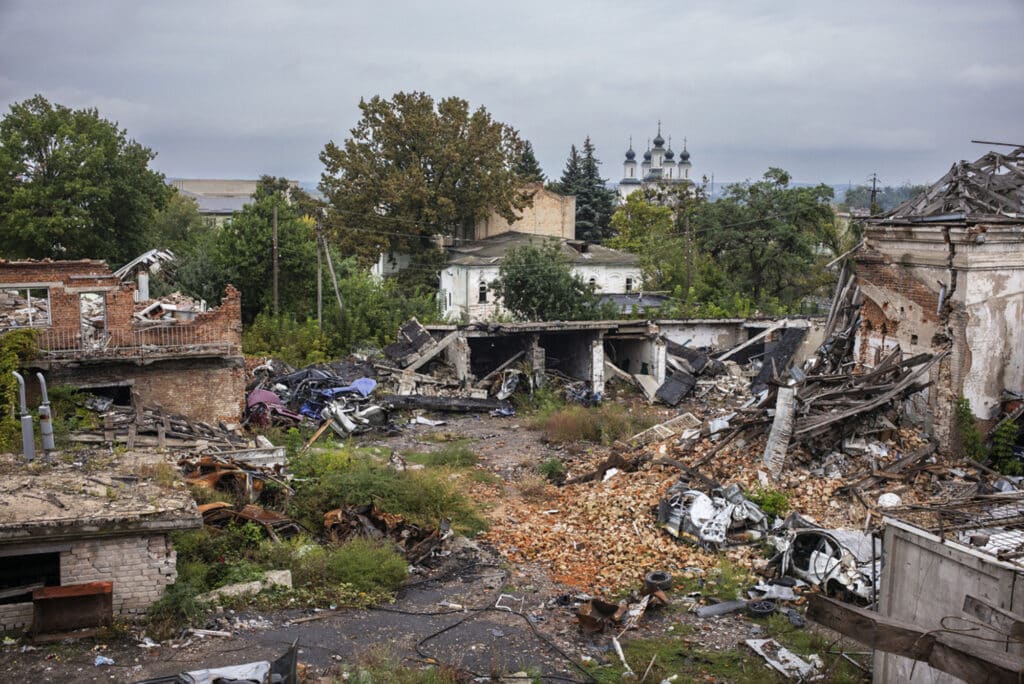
(569, 353)
(487, 353)
(21, 575)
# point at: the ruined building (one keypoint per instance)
(93, 335)
(945, 272)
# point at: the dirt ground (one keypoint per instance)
(482, 610)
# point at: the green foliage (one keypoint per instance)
(217, 557)
(178, 223)
(971, 442)
(359, 566)
(527, 167)
(17, 348)
(552, 469)
(594, 201)
(413, 168)
(423, 497)
(538, 284)
(72, 185)
(603, 424)
(452, 455)
(176, 609)
(772, 501)
(763, 236)
(888, 197)
(541, 402)
(1004, 438)
(296, 343)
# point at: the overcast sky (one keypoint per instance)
(829, 91)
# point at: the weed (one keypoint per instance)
(380, 665)
(1004, 438)
(970, 437)
(533, 487)
(163, 474)
(483, 476)
(727, 580)
(772, 501)
(541, 402)
(454, 455)
(552, 469)
(176, 609)
(603, 425)
(423, 497)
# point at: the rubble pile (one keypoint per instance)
(16, 311)
(152, 427)
(172, 307)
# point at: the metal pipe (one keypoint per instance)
(28, 442)
(45, 420)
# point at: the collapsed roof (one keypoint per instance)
(991, 188)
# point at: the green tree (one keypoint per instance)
(887, 197)
(178, 223)
(414, 168)
(765, 234)
(569, 183)
(527, 167)
(594, 201)
(537, 283)
(72, 185)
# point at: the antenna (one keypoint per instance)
(990, 142)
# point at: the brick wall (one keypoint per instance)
(873, 268)
(207, 389)
(139, 568)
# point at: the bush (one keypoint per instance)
(771, 501)
(17, 348)
(1004, 438)
(176, 609)
(298, 343)
(542, 401)
(360, 565)
(552, 469)
(970, 437)
(337, 479)
(212, 558)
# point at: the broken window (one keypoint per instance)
(21, 575)
(483, 293)
(93, 311)
(629, 284)
(24, 307)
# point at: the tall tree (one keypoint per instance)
(569, 183)
(536, 283)
(178, 223)
(414, 168)
(527, 167)
(764, 235)
(594, 201)
(72, 185)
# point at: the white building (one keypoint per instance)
(659, 166)
(465, 289)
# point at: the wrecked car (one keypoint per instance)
(843, 563)
(707, 519)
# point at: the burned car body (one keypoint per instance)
(707, 519)
(843, 563)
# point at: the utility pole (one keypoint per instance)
(275, 259)
(319, 274)
(874, 209)
(334, 277)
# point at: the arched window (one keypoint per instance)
(593, 282)
(482, 299)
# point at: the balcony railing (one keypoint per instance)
(136, 343)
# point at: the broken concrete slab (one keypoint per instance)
(444, 404)
(676, 388)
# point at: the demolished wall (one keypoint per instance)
(947, 287)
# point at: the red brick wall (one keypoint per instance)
(873, 268)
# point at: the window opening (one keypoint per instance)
(629, 284)
(92, 307)
(24, 307)
(28, 572)
(482, 293)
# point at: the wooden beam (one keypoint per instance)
(969, 660)
(515, 357)
(433, 351)
(1001, 620)
(756, 338)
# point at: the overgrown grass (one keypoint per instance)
(453, 455)
(361, 565)
(540, 403)
(602, 425)
(423, 497)
(380, 665)
(680, 656)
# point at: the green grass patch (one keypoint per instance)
(423, 497)
(380, 665)
(540, 403)
(453, 455)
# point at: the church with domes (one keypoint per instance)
(659, 165)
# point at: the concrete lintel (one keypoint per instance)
(65, 530)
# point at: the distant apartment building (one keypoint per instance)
(216, 198)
